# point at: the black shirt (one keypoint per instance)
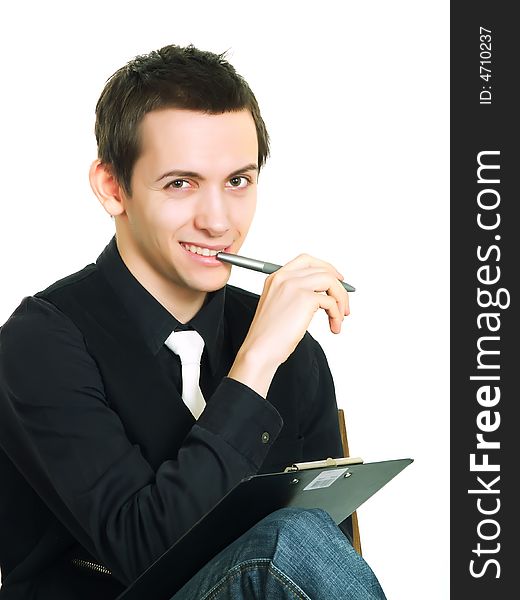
(156, 323)
(75, 473)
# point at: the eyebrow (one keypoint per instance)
(182, 173)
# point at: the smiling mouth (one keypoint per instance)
(201, 250)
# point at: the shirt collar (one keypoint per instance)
(153, 320)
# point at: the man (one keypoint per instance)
(105, 463)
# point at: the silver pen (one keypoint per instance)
(259, 265)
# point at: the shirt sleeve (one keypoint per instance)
(59, 430)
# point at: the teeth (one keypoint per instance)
(200, 250)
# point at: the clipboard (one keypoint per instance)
(338, 486)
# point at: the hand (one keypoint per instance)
(290, 298)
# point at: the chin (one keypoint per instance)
(209, 284)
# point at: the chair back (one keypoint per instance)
(356, 541)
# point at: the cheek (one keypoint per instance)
(169, 217)
(244, 213)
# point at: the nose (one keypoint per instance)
(212, 213)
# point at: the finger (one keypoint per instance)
(346, 312)
(345, 301)
(300, 277)
(328, 304)
(321, 281)
(343, 297)
(287, 274)
(306, 260)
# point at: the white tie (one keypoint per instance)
(188, 345)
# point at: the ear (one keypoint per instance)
(106, 188)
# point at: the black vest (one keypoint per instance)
(135, 386)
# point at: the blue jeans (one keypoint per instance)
(291, 553)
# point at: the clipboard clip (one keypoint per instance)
(319, 464)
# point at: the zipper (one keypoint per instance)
(87, 564)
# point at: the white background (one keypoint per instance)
(355, 96)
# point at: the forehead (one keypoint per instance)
(185, 138)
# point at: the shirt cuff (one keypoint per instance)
(244, 419)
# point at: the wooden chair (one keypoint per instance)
(356, 542)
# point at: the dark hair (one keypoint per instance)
(172, 77)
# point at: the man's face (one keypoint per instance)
(193, 193)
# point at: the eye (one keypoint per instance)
(239, 181)
(178, 184)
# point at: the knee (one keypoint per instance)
(314, 553)
(300, 526)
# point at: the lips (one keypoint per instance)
(203, 250)
(204, 255)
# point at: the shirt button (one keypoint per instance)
(265, 437)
